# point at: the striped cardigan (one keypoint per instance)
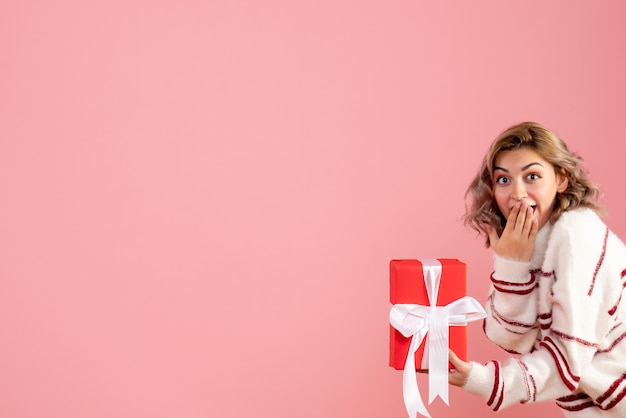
(563, 313)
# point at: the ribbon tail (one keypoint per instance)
(412, 399)
(438, 345)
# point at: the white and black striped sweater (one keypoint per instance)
(563, 313)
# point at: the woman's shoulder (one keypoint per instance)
(576, 238)
(579, 218)
(582, 223)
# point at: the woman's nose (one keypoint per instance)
(519, 191)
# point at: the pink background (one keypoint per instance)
(200, 198)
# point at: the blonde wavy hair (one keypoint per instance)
(481, 209)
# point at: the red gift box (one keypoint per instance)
(407, 286)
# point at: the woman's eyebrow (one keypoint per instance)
(526, 167)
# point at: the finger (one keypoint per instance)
(456, 376)
(456, 379)
(529, 222)
(521, 217)
(459, 365)
(533, 229)
(454, 359)
(513, 216)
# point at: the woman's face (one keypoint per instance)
(524, 176)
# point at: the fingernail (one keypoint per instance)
(518, 204)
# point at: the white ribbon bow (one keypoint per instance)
(416, 321)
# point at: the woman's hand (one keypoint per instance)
(518, 238)
(459, 375)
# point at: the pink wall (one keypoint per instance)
(200, 199)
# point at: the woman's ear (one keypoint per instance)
(561, 180)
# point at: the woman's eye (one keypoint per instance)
(534, 176)
(502, 180)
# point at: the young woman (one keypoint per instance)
(557, 285)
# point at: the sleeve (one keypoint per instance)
(523, 380)
(511, 307)
(576, 322)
